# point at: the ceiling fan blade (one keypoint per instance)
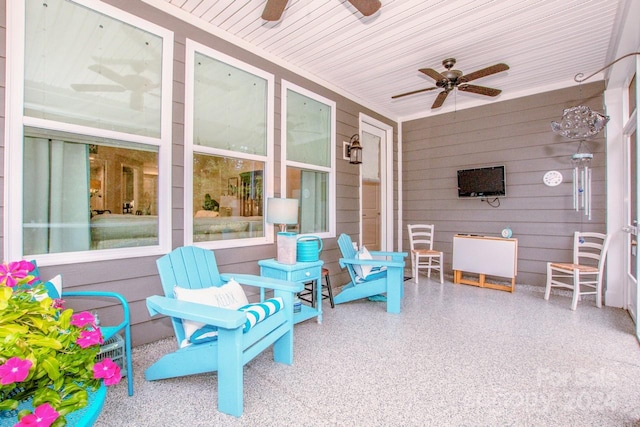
(273, 10)
(366, 7)
(485, 72)
(433, 74)
(97, 88)
(137, 65)
(413, 92)
(481, 90)
(440, 99)
(108, 73)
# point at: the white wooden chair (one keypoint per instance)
(589, 257)
(423, 256)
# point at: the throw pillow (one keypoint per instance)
(362, 271)
(230, 296)
(53, 287)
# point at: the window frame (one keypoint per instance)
(330, 170)
(16, 122)
(190, 148)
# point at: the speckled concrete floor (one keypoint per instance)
(457, 355)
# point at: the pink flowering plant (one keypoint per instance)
(47, 352)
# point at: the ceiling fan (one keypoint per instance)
(274, 8)
(137, 84)
(451, 79)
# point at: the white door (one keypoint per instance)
(375, 176)
(631, 288)
(632, 200)
(371, 210)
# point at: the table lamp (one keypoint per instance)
(284, 212)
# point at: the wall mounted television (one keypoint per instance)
(482, 182)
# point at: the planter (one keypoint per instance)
(84, 417)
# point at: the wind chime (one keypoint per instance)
(581, 123)
(581, 162)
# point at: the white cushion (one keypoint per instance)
(362, 271)
(230, 295)
(259, 311)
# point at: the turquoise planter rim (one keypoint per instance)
(84, 417)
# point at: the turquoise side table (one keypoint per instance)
(302, 272)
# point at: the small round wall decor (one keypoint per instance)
(507, 233)
(552, 178)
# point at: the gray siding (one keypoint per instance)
(516, 134)
(137, 278)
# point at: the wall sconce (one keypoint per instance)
(353, 150)
(283, 212)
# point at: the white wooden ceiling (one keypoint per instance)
(369, 59)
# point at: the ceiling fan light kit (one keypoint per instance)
(451, 79)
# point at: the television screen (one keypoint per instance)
(482, 182)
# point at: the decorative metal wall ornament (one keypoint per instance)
(580, 123)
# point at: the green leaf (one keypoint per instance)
(59, 422)
(13, 328)
(46, 394)
(8, 404)
(51, 365)
(35, 340)
(74, 401)
(5, 293)
(23, 413)
(58, 383)
(8, 317)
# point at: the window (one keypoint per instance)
(88, 196)
(228, 149)
(85, 68)
(92, 172)
(308, 158)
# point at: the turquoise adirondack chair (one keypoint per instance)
(195, 268)
(388, 280)
(108, 331)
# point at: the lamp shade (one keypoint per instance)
(282, 211)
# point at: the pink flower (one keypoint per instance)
(89, 338)
(83, 319)
(107, 370)
(13, 272)
(14, 370)
(43, 416)
(58, 303)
